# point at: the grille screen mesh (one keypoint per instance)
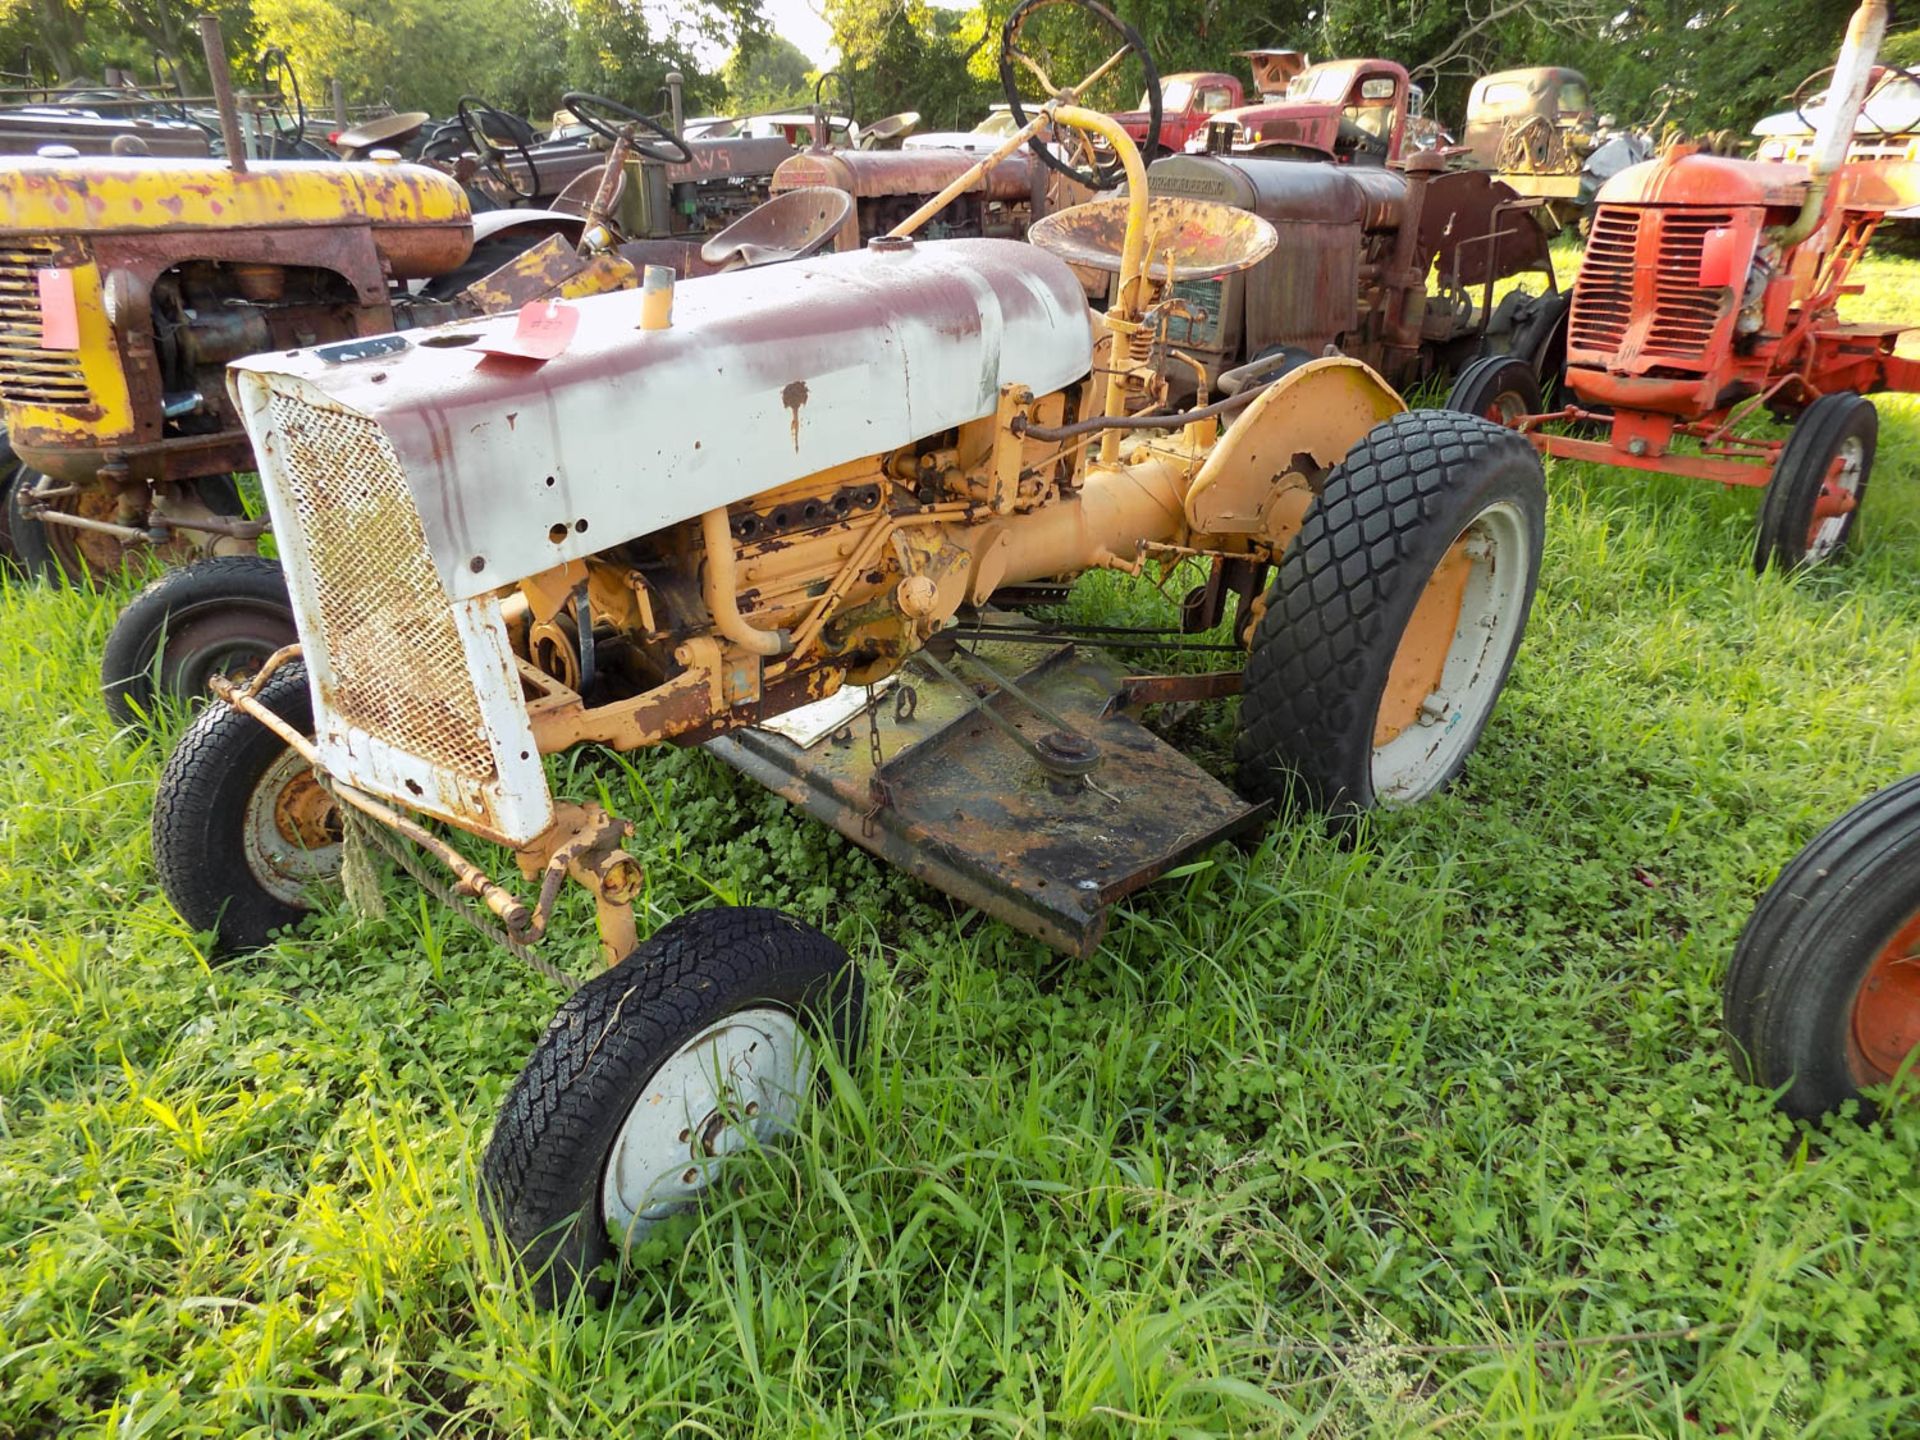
(399, 667)
(29, 374)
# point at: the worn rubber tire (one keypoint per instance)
(175, 634)
(10, 471)
(1789, 993)
(541, 1179)
(199, 817)
(1786, 514)
(27, 537)
(1346, 590)
(1503, 383)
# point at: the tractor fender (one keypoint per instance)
(1264, 472)
(489, 224)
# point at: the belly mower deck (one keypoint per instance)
(1026, 790)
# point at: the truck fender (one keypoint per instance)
(1266, 469)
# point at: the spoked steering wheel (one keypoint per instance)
(1102, 174)
(492, 153)
(590, 111)
(276, 78)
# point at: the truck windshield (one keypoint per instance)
(1319, 83)
(1173, 99)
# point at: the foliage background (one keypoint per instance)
(1712, 64)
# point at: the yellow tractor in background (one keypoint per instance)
(129, 282)
(766, 508)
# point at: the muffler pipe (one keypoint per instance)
(1845, 98)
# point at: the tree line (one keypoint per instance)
(1705, 64)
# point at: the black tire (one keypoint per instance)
(210, 841)
(1345, 596)
(10, 472)
(221, 616)
(1500, 388)
(1541, 341)
(26, 536)
(542, 1179)
(1813, 942)
(1834, 423)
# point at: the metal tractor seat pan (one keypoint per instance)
(790, 226)
(1197, 238)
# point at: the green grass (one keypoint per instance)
(1428, 1130)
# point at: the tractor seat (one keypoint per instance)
(791, 226)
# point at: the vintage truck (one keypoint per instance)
(1354, 111)
(1192, 99)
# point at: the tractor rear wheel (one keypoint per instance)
(1808, 514)
(220, 616)
(698, 1046)
(1395, 616)
(1500, 388)
(242, 829)
(1823, 993)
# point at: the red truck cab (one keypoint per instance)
(1188, 101)
(1354, 111)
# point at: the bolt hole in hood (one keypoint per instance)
(764, 377)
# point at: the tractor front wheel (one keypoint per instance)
(1818, 483)
(698, 1046)
(242, 829)
(220, 616)
(1823, 993)
(1394, 619)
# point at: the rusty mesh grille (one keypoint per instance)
(399, 666)
(1603, 291)
(28, 374)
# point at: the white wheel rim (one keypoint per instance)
(1831, 531)
(737, 1084)
(283, 862)
(1417, 761)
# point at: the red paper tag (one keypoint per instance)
(544, 329)
(59, 315)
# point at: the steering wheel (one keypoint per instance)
(1102, 175)
(841, 89)
(584, 108)
(165, 69)
(494, 155)
(275, 68)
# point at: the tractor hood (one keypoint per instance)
(1299, 122)
(419, 217)
(764, 376)
(1680, 177)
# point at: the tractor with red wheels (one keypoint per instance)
(1708, 300)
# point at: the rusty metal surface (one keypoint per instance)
(869, 173)
(973, 814)
(792, 225)
(765, 376)
(1471, 230)
(1186, 239)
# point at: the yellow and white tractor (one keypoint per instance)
(760, 509)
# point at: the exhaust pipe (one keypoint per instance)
(222, 79)
(1845, 98)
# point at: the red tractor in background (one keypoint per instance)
(1707, 296)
